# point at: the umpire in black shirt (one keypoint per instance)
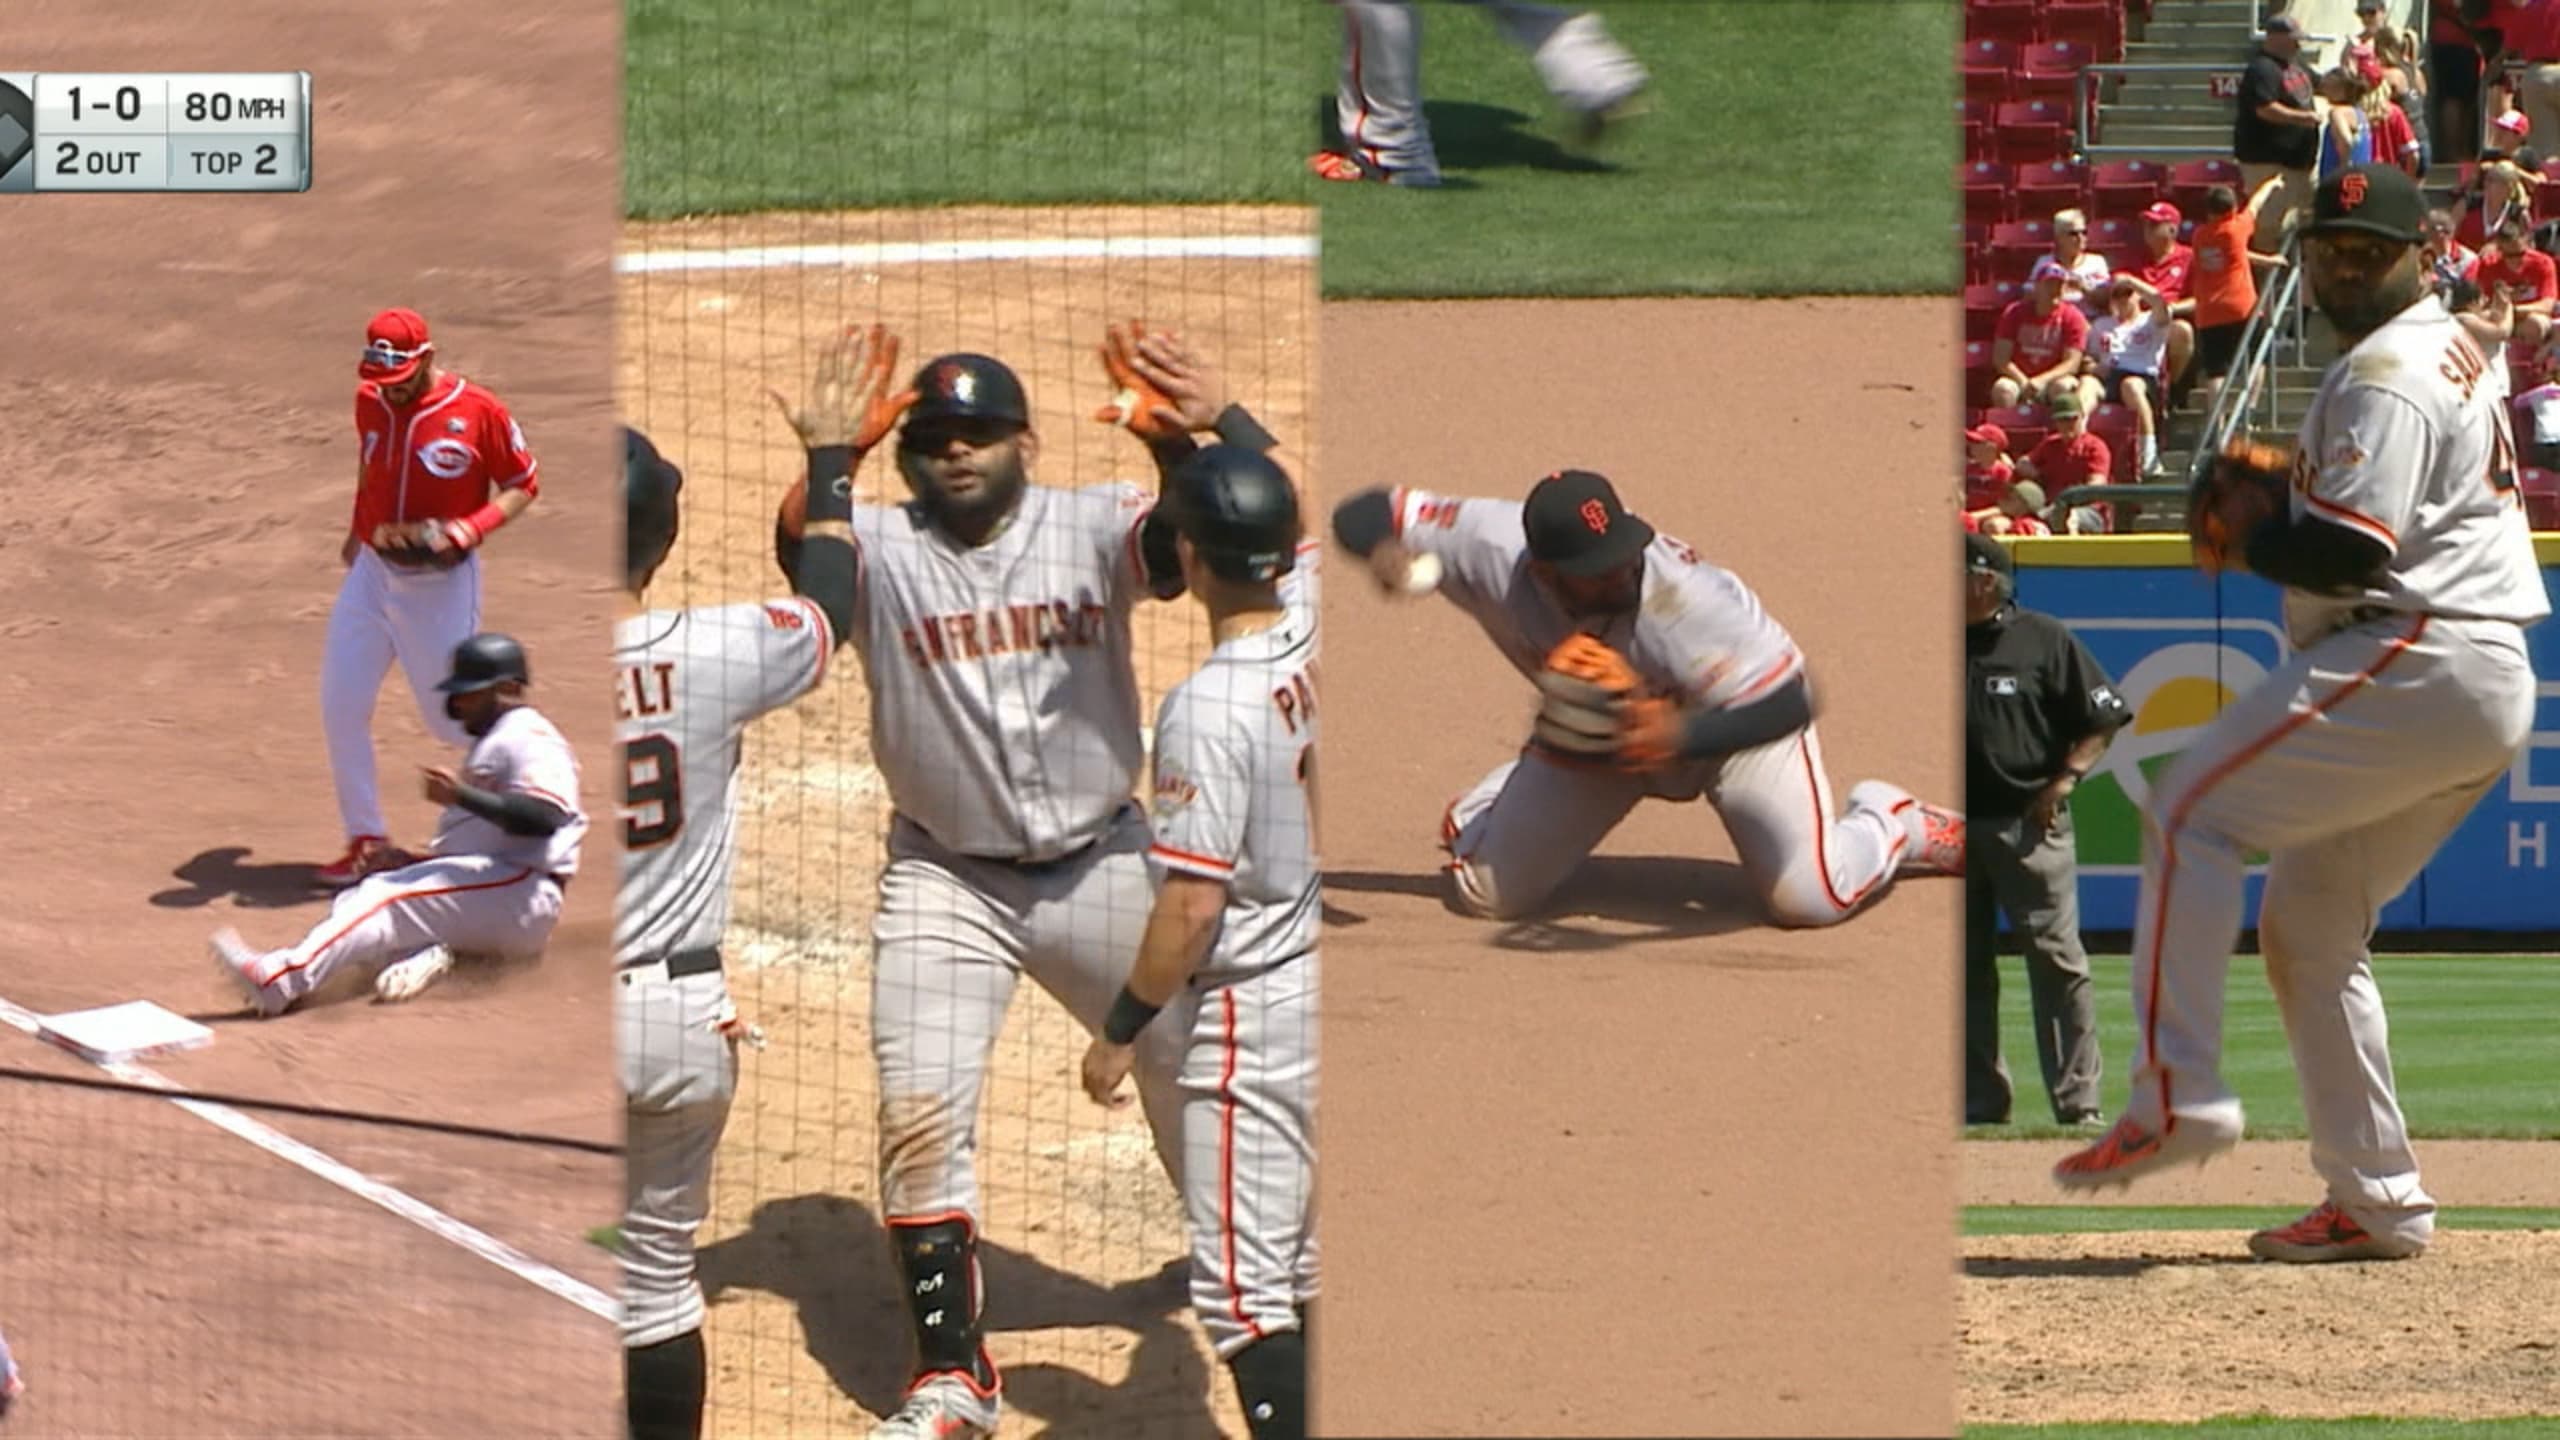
(2038, 713)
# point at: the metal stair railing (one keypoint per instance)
(2253, 378)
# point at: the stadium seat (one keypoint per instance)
(2190, 179)
(2097, 24)
(2114, 424)
(1977, 375)
(1982, 307)
(2050, 70)
(2115, 235)
(2012, 20)
(2541, 498)
(2026, 425)
(2015, 244)
(2025, 131)
(1989, 70)
(2125, 187)
(2050, 185)
(1987, 194)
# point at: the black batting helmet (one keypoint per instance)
(1238, 510)
(650, 483)
(484, 660)
(967, 387)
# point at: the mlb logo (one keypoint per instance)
(2004, 685)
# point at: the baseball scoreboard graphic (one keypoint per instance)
(2180, 646)
(155, 132)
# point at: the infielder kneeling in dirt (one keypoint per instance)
(2409, 577)
(1662, 678)
(1227, 969)
(491, 883)
(687, 684)
(993, 623)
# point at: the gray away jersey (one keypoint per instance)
(1698, 633)
(2408, 442)
(1235, 767)
(523, 753)
(687, 683)
(1004, 700)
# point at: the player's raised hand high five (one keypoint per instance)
(1161, 389)
(852, 401)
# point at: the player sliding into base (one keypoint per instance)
(2409, 575)
(1227, 967)
(1661, 678)
(490, 883)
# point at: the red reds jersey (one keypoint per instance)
(438, 459)
(2168, 273)
(2530, 276)
(2038, 342)
(1985, 484)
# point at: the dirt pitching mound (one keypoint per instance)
(2184, 1325)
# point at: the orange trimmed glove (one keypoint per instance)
(1135, 399)
(1592, 711)
(2246, 484)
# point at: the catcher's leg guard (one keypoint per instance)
(938, 1254)
(1271, 1383)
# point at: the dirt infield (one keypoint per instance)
(178, 373)
(2185, 1325)
(1651, 1167)
(2269, 1172)
(1087, 1310)
(2182, 1326)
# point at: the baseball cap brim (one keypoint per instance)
(456, 685)
(1624, 542)
(2363, 227)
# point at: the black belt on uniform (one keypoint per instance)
(1037, 867)
(704, 961)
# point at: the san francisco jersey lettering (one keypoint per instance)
(1004, 698)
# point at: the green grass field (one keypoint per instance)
(2115, 1219)
(743, 105)
(1791, 149)
(2270, 1427)
(2472, 1042)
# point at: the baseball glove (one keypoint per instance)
(421, 544)
(2241, 490)
(1593, 711)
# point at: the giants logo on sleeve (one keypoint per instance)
(1173, 793)
(1041, 627)
(784, 617)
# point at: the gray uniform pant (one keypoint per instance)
(2036, 880)
(1378, 99)
(953, 936)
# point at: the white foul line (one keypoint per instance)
(950, 252)
(355, 1182)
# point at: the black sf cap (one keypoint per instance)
(2375, 199)
(1576, 524)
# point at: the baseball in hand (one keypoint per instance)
(1421, 575)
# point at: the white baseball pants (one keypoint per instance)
(415, 616)
(470, 904)
(1526, 827)
(680, 1075)
(2348, 766)
(1248, 1075)
(953, 936)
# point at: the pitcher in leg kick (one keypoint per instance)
(1226, 969)
(993, 626)
(1663, 679)
(442, 465)
(2409, 578)
(688, 682)
(1378, 100)
(492, 879)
